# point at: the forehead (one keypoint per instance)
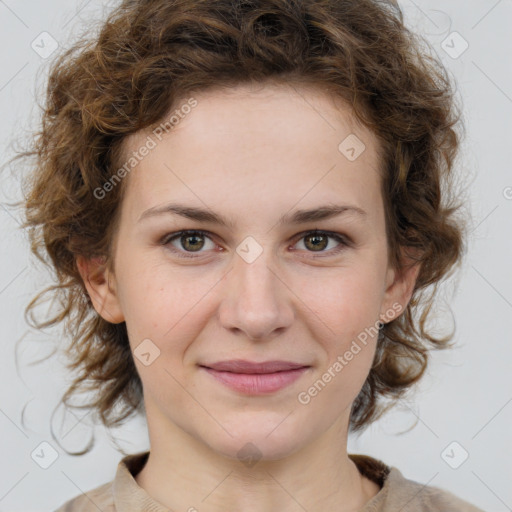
(256, 142)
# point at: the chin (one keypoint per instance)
(253, 441)
(250, 451)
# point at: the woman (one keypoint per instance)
(245, 204)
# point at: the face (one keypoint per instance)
(278, 281)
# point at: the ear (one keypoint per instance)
(100, 284)
(400, 285)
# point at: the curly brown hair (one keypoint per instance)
(151, 53)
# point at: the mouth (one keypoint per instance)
(255, 378)
(243, 366)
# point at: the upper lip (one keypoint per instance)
(242, 366)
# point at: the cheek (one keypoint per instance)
(349, 308)
(170, 314)
(168, 307)
(347, 303)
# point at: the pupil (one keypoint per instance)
(316, 244)
(188, 237)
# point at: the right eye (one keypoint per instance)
(189, 240)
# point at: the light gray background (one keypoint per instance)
(466, 396)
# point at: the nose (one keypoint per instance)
(256, 300)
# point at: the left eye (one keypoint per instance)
(319, 240)
(192, 241)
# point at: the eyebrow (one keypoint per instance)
(298, 217)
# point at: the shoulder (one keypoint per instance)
(121, 494)
(400, 493)
(100, 498)
(419, 497)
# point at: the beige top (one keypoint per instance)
(397, 493)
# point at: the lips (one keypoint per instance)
(252, 378)
(249, 367)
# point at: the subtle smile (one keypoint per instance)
(255, 378)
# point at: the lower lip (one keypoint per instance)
(257, 383)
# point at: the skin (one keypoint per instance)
(252, 155)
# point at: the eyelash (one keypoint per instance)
(344, 242)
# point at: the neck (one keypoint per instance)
(183, 473)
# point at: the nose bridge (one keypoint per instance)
(255, 299)
(258, 275)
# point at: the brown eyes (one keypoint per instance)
(193, 241)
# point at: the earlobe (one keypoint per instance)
(100, 285)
